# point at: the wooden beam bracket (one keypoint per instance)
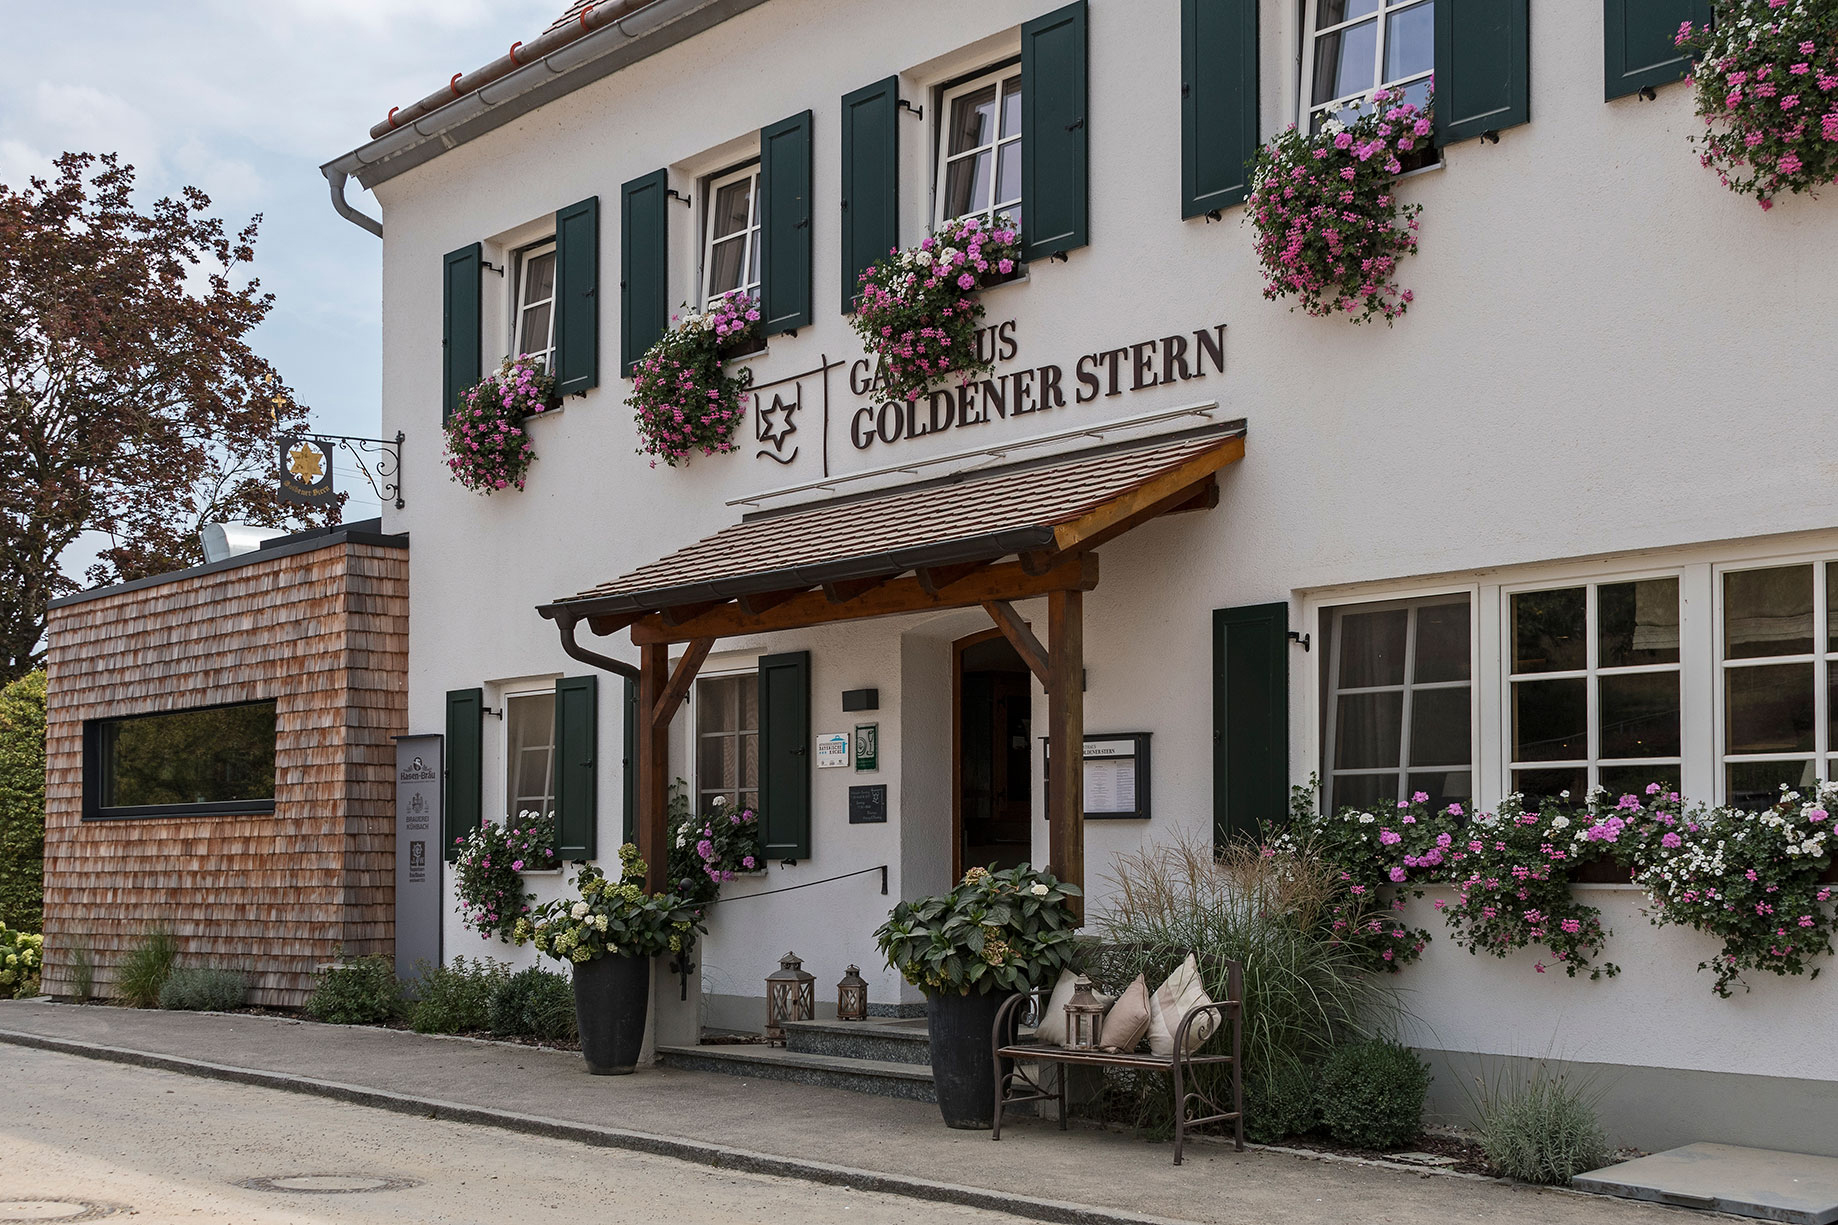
(1022, 639)
(844, 590)
(934, 579)
(680, 681)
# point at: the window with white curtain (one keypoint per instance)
(529, 749)
(727, 740)
(1778, 660)
(535, 316)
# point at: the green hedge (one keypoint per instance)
(22, 803)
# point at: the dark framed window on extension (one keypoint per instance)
(731, 233)
(1398, 702)
(979, 156)
(207, 760)
(533, 321)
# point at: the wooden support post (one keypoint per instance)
(1066, 739)
(653, 766)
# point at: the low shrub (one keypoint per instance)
(145, 968)
(1543, 1129)
(534, 1003)
(82, 975)
(1371, 1094)
(1279, 1102)
(456, 998)
(21, 955)
(197, 989)
(360, 992)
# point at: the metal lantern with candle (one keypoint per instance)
(790, 996)
(852, 996)
(1084, 1017)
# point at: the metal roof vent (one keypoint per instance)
(226, 540)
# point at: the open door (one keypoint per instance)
(991, 767)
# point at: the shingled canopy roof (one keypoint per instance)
(1047, 514)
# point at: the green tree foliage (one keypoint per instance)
(22, 802)
(130, 401)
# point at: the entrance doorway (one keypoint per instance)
(991, 769)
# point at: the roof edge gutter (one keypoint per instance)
(336, 180)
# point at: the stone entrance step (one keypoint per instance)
(1790, 1187)
(890, 1041)
(883, 1077)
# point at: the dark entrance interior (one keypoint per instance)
(994, 776)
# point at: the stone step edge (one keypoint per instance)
(768, 1056)
(888, 1029)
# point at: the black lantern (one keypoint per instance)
(1084, 1018)
(790, 996)
(852, 996)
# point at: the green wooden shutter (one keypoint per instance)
(785, 224)
(1055, 151)
(577, 297)
(870, 180)
(1250, 718)
(784, 755)
(1482, 67)
(465, 750)
(460, 337)
(1218, 103)
(644, 266)
(1637, 45)
(629, 832)
(576, 788)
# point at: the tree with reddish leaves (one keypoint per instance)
(131, 404)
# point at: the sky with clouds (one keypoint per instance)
(246, 101)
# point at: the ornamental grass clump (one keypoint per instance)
(610, 918)
(1753, 880)
(1002, 931)
(683, 395)
(145, 968)
(488, 872)
(1542, 1129)
(1767, 89)
(1306, 990)
(918, 309)
(1330, 228)
(487, 446)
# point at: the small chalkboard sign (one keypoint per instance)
(868, 805)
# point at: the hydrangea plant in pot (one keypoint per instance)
(996, 933)
(608, 933)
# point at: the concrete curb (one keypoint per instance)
(700, 1152)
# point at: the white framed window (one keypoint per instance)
(1352, 47)
(529, 751)
(730, 248)
(1777, 660)
(727, 740)
(1398, 701)
(1594, 682)
(979, 157)
(533, 323)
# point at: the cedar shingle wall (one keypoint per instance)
(325, 634)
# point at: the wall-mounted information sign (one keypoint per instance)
(868, 805)
(832, 750)
(1116, 775)
(418, 858)
(867, 746)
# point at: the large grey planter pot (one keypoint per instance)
(611, 997)
(963, 1057)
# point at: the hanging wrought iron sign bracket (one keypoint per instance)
(378, 459)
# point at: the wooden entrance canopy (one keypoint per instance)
(985, 538)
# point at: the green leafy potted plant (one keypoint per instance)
(608, 934)
(997, 933)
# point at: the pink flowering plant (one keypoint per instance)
(685, 394)
(1324, 205)
(489, 871)
(708, 852)
(1767, 89)
(487, 446)
(919, 309)
(1756, 881)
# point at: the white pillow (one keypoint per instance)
(1171, 1001)
(1052, 1027)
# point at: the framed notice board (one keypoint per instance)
(1116, 775)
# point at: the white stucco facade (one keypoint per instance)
(1612, 367)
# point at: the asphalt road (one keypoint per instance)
(84, 1140)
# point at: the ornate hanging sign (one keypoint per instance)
(306, 466)
(306, 472)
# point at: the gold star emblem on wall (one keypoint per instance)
(306, 462)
